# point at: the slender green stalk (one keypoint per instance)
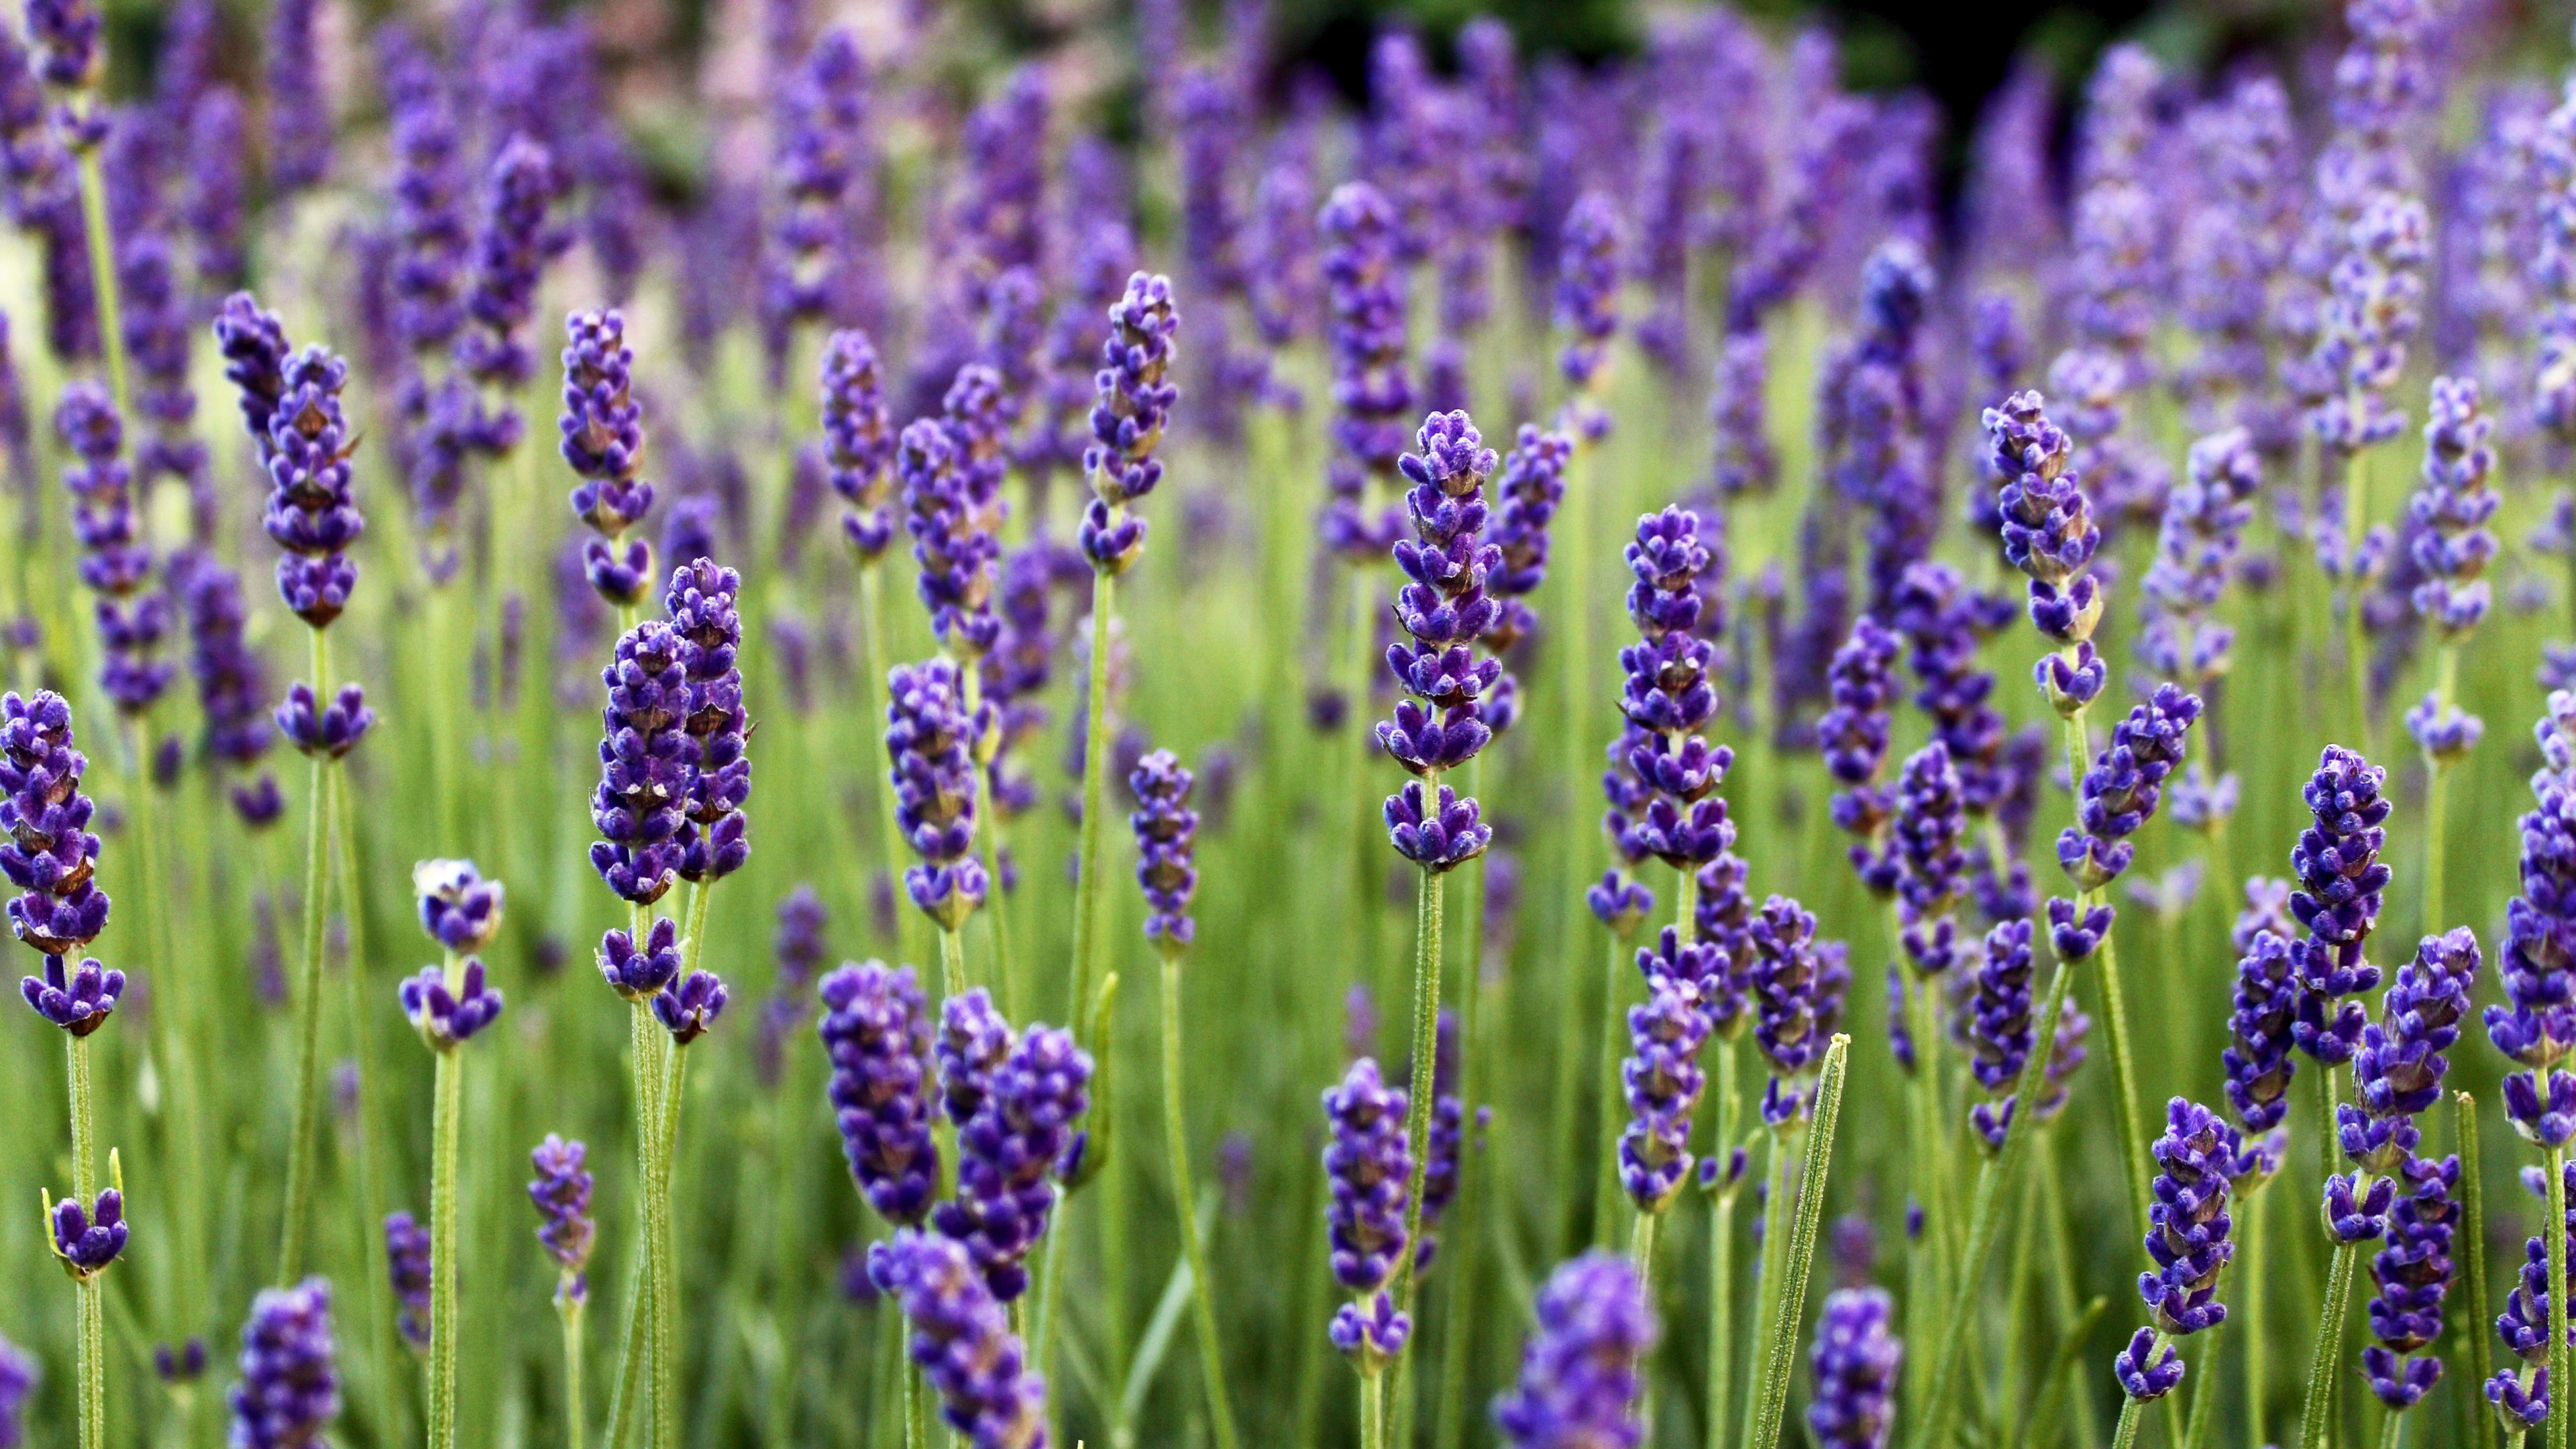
(916, 1406)
(2556, 1158)
(2204, 1394)
(637, 1375)
(1605, 1180)
(89, 1310)
(1372, 1413)
(2135, 1166)
(301, 1143)
(1789, 1304)
(2472, 1238)
(1088, 888)
(2127, 1433)
(1641, 1250)
(102, 274)
(2356, 649)
(665, 1264)
(952, 963)
(2392, 1428)
(877, 660)
(2316, 1420)
(1426, 1045)
(2436, 777)
(2250, 1308)
(1775, 1254)
(1176, 1132)
(446, 1139)
(569, 1310)
(1721, 1299)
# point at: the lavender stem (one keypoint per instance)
(2252, 1309)
(446, 1139)
(300, 1144)
(1184, 1189)
(1614, 1030)
(2133, 1148)
(2556, 1233)
(102, 271)
(2325, 1366)
(1790, 1299)
(90, 1309)
(1426, 1046)
(2437, 772)
(2131, 1408)
(2471, 1235)
(1721, 1265)
(570, 1312)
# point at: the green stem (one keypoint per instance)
(665, 1265)
(877, 660)
(1721, 1300)
(102, 275)
(1605, 1180)
(2557, 1168)
(2135, 1165)
(2472, 1235)
(570, 1311)
(1789, 1304)
(1775, 1253)
(1372, 1414)
(2392, 1428)
(2250, 1308)
(2356, 516)
(301, 1144)
(1088, 887)
(2127, 1433)
(2317, 1417)
(638, 1375)
(2204, 1399)
(2437, 773)
(1176, 1131)
(1641, 1251)
(90, 1311)
(446, 1138)
(952, 963)
(1426, 1045)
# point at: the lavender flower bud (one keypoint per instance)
(2143, 1377)
(876, 1032)
(1587, 286)
(1165, 828)
(858, 442)
(87, 1240)
(1367, 1165)
(289, 1390)
(2337, 860)
(1021, 1135)
(688, 1007)
(1797, 992)
(647, 769)
(331, 730)
(2187, 1225)
(50, 855)
(1856, 1361)
(407, 1263)
(2119, 794)
(446, 1015)
(459, 909)
(930, 738)
(1579, 1368)
(961, 1337)
(1364, 288)
(1127, 421)
(561, 1192)
(602, 425)
(1663, 1081)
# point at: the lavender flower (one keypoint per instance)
(1579, 1369)
(2258, 1061)
(2000, 1029)
(1165, 827)
(1445, 608)
(1587, 286)
(647, 773)
(2204, 520)
(87, 1240)
(2187, 1225)
(407, 1262)
(446, 1014)
(509, 254)
(1856, 1361)
(1942, 621)
(876, 1031)
(331, 730)
(2538, 1024)
(299, 111)
(1663, 1081)
(2144, 1374)
(429, 231)
(50, 856)
(929, 738)
(1367, 1164)
(700, 603)
(822, 156)
(636, 970)
(2340, 877)
(116, 562)
(1797, 988)
(687, 1007)
(1127, 421)
(290, 1390)
(2119, 794)
(1364, 290)
(603, 441)
(306, 447)
(1853, 736)
(961, 1337)
(232, 683)
(561, 1192)
(1020, 1136)
(1668, 696)
(1745, 460)
(1532, 488)
(2048, 530)
(952, 543)
(459, 909)
(858, 446)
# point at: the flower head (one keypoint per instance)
(1367, 1165)
(289, 1389)
(561, 1192)
(1579, 1376)
(1856, 1361)
(459, 909)
(876, 1033)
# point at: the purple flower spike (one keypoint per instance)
(1165, 827)
(602, 425)
(459, 909)
(49, 853)
(2204, 520)
(2337, 860)
(2413, 1272)
(408, 1266)
(445, 1015)
(1579, 1376)
(1443, 604)
(952, 538)
(1797, 990)
(2120, 793)
(2538, 1024)
(87, 1240)
(331, 730)
(2187, 1225)
(1127, 422)
(1853, 737)
(17, 1385)
(646, 763)
(700, 603)
(974, 1041)
(1370, 1332)
(1856, 1361)
(688, 1008)
(1021, 1135)
(1943, 621)
(1587, 286)
(876, 1031)
(2048, 529)
(961, 1337)
(1441, 837)
(289, 1390)
(640, 975)
(1663, 1081)
(858, 439)
(2074, 935)
(2002, 1031)
(2143, 1378)
(1372, 393)
(1532, 488)
(931, 740)
(2356, 1207)
(311, 513)
(2453, 545)
(80, 999)
(2258, 1060)
(1929, 820)
(561, 1192)
(1367, 1164)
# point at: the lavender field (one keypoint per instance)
(808, 724)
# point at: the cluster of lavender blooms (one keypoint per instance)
(1134, 406)
(1795, 984)
(1853, 736)
(962, 1338)
(2049, 534)
(561, 1192)
(461, 911)
(407, 1268)
(603, 443)
(2338, 900)
(1444, 606)
(876, 1032)
(822, 153)
(1580, 1369)
(290, 1385)
(2452, 546)
(232, 682)
(116, 562)
(1367, 1169)
(2397, 1076)
(932, 738)
(1532, 487)
(1166, 829)
(858, 443)
(2537, 1025)
(2188, 1230)
(2196, 545)
(1856, 1361)
(52, 858)
(673, 775)
(1372, 392)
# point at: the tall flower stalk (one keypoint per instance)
(2188, 1238)
(447, 1004)
(51, 856)
(2452, 547)
(561, 1192)
(858, 458)
(290, 405)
